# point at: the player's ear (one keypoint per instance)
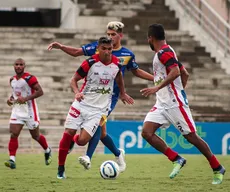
(121, 35)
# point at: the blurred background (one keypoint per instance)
(198, 30)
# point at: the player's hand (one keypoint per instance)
(125, 98)
(21, 100)
(79, 96)
(54, 45)
(148, 91)
(10, 101)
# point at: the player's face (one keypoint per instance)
(150, 41)
(116, 37)
(105, 51)
(19, 67)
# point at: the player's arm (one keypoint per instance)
(75, 52)
(10, 101)
(123, 96)
(37, 93)
(142, 74)
(184, 76)
(133, 66)
(74, 83)
(172, 75)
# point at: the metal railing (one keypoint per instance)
(210, 21)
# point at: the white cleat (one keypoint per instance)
(85, 162)
(121, 161)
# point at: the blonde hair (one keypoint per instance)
(116, 26)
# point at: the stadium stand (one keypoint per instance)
(208, 87)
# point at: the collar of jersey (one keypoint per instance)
(117, 48)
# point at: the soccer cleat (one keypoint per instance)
(85, 162)
(71, 147)
(218, 176)
(11, 164)
(121, 161)
(61, 172)
(48, 157)
(177, 165)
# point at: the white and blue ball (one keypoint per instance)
(109, 170)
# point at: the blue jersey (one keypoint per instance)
(127, 60)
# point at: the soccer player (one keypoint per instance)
(127, 59)
(93, 101)
(172, 106)
(24, 111)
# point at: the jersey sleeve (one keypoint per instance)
(132, 63)
(85, 66)
(168, 58)
(31, 80)
(90, 49)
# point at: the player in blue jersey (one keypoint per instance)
(127, 59)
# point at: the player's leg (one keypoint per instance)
(37, 136)
(15, 130)
(154, 120)
(203, 147)
(119, 153)
(63, 151)
(90, 127)
(183, 121)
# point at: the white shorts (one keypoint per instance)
(180, 117)
(30, 122)
(83, 117)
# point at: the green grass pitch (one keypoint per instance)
(144, 173)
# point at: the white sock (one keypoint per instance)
(47, 150)
(13, 158)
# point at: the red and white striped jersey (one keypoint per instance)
(99, 81)
(23, 87)
(172, 95)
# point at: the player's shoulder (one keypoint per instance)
(116, 60)
(165, 50)
(126, 52)
(28, 76)
(91, 46)
(93, 59)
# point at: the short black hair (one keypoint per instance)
(104, 40)
(157, 31)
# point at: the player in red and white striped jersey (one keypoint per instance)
(172, 106)
(92, 103)
(24, 111)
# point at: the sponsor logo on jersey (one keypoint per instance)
(104, 81)
(125, 53)
(91, 47)
(101, 90)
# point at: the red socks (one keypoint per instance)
(64, 147)
(42, 141)
(214, 163)
(170, 154)
(13, 146)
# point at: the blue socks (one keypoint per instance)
(93, 142)
(108, 142)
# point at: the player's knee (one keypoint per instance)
(191, 137)
(82, 141)
(14, 134)
(145, 134)
(35, 137)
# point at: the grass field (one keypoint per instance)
(144, 173)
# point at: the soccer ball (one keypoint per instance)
(109, 170)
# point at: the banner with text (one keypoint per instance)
(127, 135)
